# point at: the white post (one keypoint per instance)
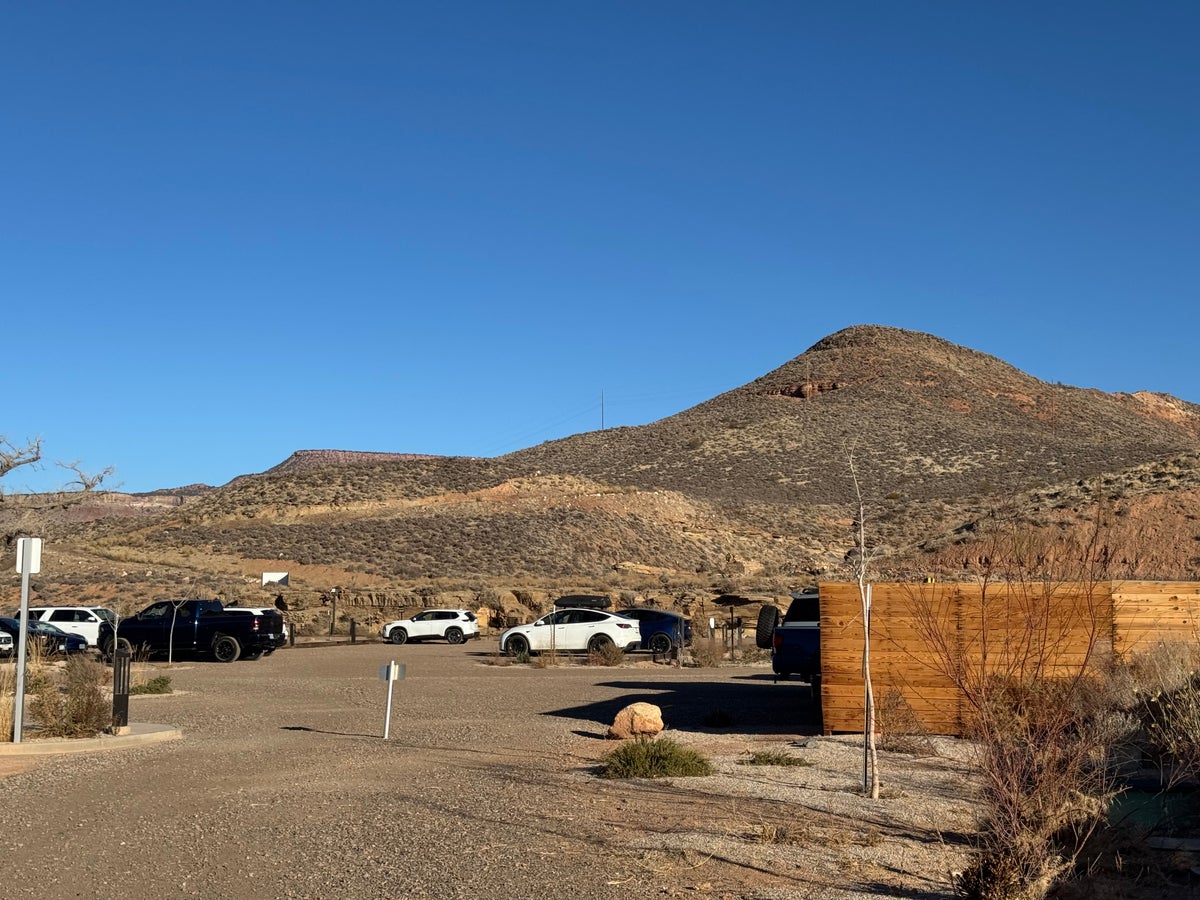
(391, 680)
(29, 558)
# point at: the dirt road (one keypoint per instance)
(283, 787)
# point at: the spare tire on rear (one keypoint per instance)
(768, 619)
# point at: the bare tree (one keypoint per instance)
(1023, 650)
(13, 456)
(861, 560)
(22, 515)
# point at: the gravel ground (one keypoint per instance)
(283, 787)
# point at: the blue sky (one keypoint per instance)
(229, 231)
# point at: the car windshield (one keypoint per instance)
(106, 614)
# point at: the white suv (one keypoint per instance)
(455, 625)
(81, 620)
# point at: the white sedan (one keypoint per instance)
(455, 625)
(571, 629)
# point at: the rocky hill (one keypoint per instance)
(751, 491)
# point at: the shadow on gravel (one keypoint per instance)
(320, 731)
(745, 706)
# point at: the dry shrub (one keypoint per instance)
(900, 729)
(8, 700)
(608, 655)
(75, 706)
(708, 654)
(1166, 701)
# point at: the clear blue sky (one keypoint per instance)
(229, 231)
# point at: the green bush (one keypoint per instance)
(160, 684)
(648, 758)
(772, 758)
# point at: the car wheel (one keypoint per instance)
(454, 635)
(226, 648)
(517, 646)
(660, 643)
(599, 643)
(398, 636)
(768, 621)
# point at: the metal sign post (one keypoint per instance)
(29, 562)
(391, 673)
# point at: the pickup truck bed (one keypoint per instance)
(794, 641)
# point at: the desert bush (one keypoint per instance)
(649, 758)
(708, 654)
(8, 700)
(772, 758)
(1165, 692)
(75, 707)
(900, 731)
(608, 655)
(160, 684)
(1048, 736)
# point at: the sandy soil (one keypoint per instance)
(283, 787)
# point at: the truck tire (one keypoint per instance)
(226, 648)
(764, 633)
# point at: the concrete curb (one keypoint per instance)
(139, 734)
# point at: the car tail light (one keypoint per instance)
(777, 640)
(254, 624)
(623, 625)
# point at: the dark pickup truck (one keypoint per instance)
(196, 627)
(794, 641)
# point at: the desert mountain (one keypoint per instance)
(751, 490)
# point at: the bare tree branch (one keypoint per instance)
(83, 480)
(13, 456)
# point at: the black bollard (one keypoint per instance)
(353, 631)
(122, 661)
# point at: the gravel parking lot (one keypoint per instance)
(283, 787)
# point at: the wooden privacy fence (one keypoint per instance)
(926, 638)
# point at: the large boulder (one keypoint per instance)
(637, 720)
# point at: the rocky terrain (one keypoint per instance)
(751, 492)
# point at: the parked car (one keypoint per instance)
(50, 640)
(81, 620)
(661, 630)
(7, 645)
(572, 629)
(455, 625)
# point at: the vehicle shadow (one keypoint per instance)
(744, 706)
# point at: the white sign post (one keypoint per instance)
(29, 562)
(391, 673)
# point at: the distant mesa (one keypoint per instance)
(312, 459)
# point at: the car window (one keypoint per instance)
(422, 617)
(154, 611)
(470, 617)
(588, 615)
